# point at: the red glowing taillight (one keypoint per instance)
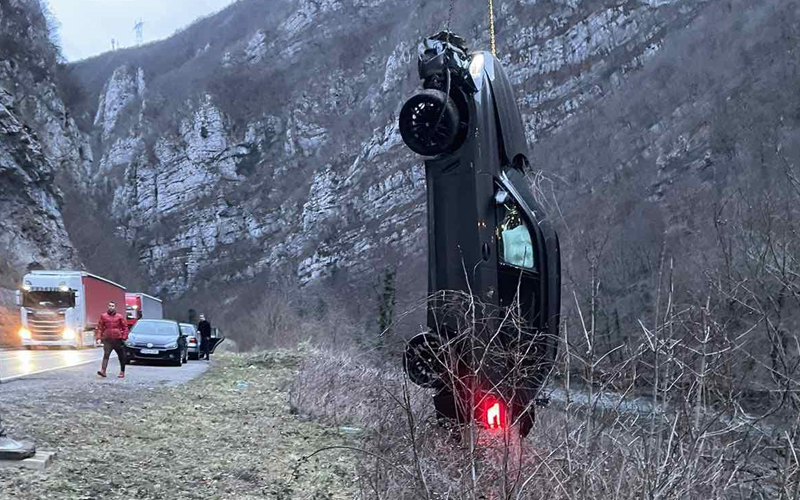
(494, 414)
(493, 417)
(192, 339)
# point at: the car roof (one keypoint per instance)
(168, 321)
(186, 324)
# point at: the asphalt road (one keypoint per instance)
(26, 372)
(21, 363)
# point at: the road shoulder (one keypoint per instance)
(227, 434)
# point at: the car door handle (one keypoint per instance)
(486, 251)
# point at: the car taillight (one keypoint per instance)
(493, 417)
(192, 339)
(494, 414)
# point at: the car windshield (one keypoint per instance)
(48, 299)
(187, 330)
(154, 328)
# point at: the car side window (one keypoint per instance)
(514, 237)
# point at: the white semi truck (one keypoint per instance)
(61, 308)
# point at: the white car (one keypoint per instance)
(192, 339)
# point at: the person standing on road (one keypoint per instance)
(204, 327)
(112, 330)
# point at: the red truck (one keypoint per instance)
(142, 306)
(61, 308)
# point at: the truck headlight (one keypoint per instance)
(68, 334)
(24, 334)
(172, 345)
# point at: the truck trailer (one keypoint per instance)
(142, 306)
(62, 308)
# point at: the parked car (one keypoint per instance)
(157, 340)
(192, 339)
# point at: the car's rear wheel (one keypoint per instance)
(423, 361)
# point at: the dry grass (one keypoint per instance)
(229, 435)
(656, 424)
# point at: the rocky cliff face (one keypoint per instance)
(262, 141)
(268, 140)
(37, 140)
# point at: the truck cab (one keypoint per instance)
(49, 314)
(142, 306)
(133, 309)
(61, 308)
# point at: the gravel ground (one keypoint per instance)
(226, 435)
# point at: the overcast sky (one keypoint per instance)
(87, 26)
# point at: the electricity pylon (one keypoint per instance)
(139, 29)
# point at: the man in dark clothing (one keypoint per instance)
(204, 327)
(112, 330)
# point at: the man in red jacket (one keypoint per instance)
(112, 329)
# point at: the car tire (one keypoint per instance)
(422, 361)
(193, 356)
(429, 123)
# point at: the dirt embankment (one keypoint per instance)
(9, 319)
(226, 435)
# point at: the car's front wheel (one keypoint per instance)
(429, 123)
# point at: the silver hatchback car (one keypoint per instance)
(192, 339)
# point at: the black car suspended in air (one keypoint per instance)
(494, 266)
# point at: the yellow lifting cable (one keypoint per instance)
(491, 29)
(492, 43)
